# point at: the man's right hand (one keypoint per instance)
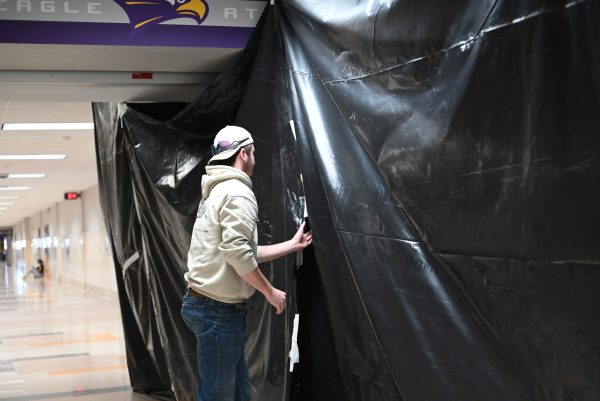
(277, 299)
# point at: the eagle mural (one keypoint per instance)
(145, 13)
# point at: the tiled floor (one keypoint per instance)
(60, 342)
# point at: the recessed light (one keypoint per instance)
(5, 188)
(32, 157)
(23, 175)
(46, 126)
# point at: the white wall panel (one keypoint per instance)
(98, 261)
(71, 239)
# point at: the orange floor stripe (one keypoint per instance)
(90, 339)
(85, 370)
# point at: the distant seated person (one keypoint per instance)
(36, 271)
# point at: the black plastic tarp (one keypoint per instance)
(450, 154)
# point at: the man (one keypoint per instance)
(223, 268)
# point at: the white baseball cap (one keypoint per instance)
(228, 141)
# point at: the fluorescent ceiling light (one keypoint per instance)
(24, 175)
(10, 196)
(32, 157)
(3, 208)
(46, 126)
(6, 203)
(5, 188)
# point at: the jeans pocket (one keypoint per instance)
(225, 311)
(194, 318)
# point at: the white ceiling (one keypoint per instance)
(34, 57)
(75, 173)
(104, 73)
(57, 83)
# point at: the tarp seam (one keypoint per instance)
(462, 44)
(524, 259)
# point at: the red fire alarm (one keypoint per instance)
(72, 195)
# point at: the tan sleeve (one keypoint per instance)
(238, 217)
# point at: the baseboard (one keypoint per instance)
(93, 289)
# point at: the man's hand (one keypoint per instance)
(298, 242)
(277, 299)
(302, 239)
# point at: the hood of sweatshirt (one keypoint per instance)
(217, 174)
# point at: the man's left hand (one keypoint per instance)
(302, 239)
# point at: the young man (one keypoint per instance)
(223, 268)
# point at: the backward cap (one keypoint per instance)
(228, 141)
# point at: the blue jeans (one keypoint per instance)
(220, 330)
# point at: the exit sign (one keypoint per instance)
(72, 195)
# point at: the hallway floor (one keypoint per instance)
(60, 342)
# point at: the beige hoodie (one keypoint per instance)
(224, 241)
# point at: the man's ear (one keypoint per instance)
(244, 154)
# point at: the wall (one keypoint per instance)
(71, 239)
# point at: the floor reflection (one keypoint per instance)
(59, 340)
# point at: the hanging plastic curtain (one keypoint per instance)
(450, 160)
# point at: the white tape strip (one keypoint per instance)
(295, 352)
(130, 261)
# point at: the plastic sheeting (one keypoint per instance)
(450, 156)
(149, 177)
